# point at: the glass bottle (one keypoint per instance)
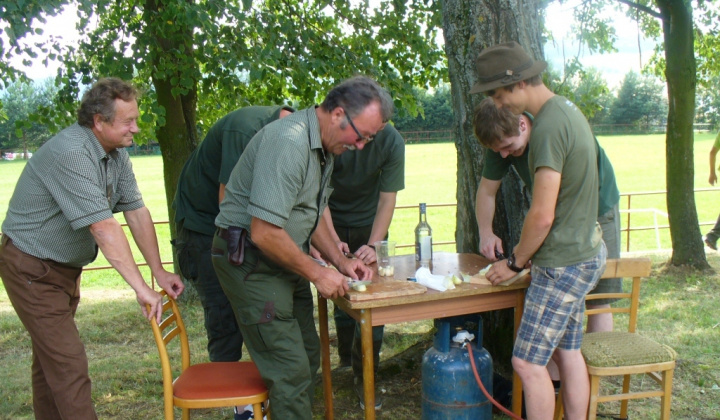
(423, 239)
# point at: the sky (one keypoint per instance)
(613, 66)
(558, 18)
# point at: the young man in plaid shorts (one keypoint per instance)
(560, 234)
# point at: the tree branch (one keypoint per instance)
(643, 8)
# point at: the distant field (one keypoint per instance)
(431, 176)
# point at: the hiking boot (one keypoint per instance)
(359, 391)
(711, 244)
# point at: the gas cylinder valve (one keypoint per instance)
(462, 337)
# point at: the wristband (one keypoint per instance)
(372, 246)
(511, 264)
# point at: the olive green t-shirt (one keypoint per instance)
(359, 177)
(561, 140)
(495, 167)
(196, 198)
(282, 178)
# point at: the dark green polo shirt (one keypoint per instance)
(282, 178)
(196, 198)
(359, 177)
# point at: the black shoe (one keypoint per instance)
(360, 392)
(556, 385)
(711, 244)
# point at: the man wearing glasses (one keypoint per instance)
(274, 200)
(366, 184)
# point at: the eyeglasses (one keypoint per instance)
(366, 139)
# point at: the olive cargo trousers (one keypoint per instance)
(274, 311)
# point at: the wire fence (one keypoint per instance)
(647, 227)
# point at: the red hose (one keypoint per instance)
(482, 387)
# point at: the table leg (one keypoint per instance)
(367, 361)
(517, 390)
(325, 353)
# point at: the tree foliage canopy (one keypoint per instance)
(236, 53)
(196, 60)
(639, 100)
(21, 128)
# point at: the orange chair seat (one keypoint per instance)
(219, 380)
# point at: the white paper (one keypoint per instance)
(433, 281)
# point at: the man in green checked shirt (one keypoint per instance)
(59, 215)
(274, 202)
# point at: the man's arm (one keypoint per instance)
(221, 193)
(111, 240)
(143, 231)
(277, 244)
(381, 224)
(713, 175)
(537, 223)
(484, 214)
(342, 246)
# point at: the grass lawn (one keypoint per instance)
(678, 308)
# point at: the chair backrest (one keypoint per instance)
(170, 327)
(635, 268)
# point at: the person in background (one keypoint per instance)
(59, 215)
(361, 208)
(712, 236)
(565, 246)
(274, 202)
(201, 188)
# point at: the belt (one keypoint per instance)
(223, 233)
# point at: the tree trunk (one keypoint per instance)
(178, 135)
(468, 27)
(681, 80)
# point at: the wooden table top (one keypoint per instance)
(443, 263)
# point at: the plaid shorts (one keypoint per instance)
(554, 309)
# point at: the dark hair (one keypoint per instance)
(492, 124)
(355, 94)
(532, 81)
(100, 99)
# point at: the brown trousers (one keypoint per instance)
(45, 295)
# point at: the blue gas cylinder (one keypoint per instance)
(449, 388)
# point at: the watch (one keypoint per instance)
(511, 264)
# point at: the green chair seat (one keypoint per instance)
(615, 348)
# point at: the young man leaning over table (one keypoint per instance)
(497, 165)
(565, 246)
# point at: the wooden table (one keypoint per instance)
(464, 299)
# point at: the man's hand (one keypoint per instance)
(331, 284)
(355, 269)
(499, 272)
(366, 254)
(489, 244)
(343, 247)
(171, 283)
(713, 178)
(147, 296)
(316, 254)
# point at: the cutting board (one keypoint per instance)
(390, 288)
(480, 279)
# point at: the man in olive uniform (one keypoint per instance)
(366, 184)
(274, 200)
(200, 190)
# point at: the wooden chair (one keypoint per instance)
(625, 353)
(204, 385)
